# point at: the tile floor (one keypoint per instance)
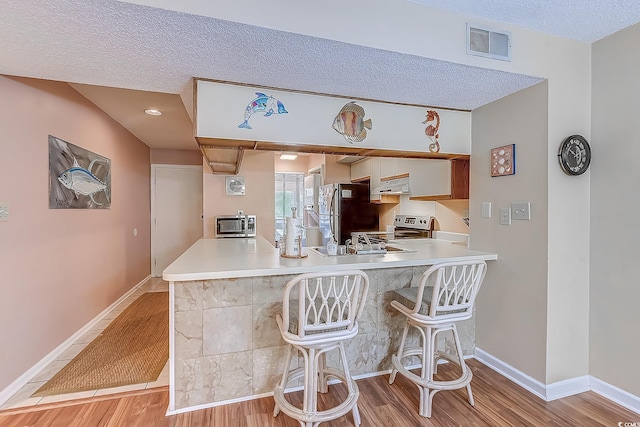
(23, 396)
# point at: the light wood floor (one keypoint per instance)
(498, 402)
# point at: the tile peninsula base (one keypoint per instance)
(225, 344)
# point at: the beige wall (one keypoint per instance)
(60, 268)
(258, 170)
(176, 157)
(298, 165)
(334, 172)
(449, 214)
(614, 286)
(511, 322)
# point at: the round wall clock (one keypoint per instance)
(574, 155)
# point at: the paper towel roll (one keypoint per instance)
(293, 234)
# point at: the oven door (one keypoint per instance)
(409, 233)
(231, 226)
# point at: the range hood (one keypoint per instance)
(393, 186)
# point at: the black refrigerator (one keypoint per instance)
(343, 209)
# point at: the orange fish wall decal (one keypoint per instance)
(350, 123)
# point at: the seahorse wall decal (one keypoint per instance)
(433, 124)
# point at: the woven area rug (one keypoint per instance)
(132, 349)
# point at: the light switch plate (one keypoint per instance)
(505, 216)
(521, 211)
(486, 210)
(4, 212)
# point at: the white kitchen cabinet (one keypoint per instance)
(429, 179)
(375, 178)
(387, 168)
(392, 167)
(369, 170)
(361, 170)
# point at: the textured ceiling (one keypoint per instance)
(583, 20)
(139, 48)
(131, 46)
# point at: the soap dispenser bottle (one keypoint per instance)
(332, 247)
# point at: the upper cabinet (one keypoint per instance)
(236, 116)
(361, 170)
(460, 179)
(429, 179)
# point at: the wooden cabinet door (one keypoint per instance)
(460, 178)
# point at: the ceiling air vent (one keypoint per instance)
(488, 43)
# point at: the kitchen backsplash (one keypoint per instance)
(448, 213)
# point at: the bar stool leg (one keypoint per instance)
(322, 377)
(349, 382)
(394, 371)
(426, 370)
(310, 380)
(285, 375)
(463, 365)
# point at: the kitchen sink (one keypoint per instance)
(322, 250)
(394, 249)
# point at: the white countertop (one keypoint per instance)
(229, 258)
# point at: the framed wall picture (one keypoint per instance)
(235, 186)
(78, 178)
(503, 160)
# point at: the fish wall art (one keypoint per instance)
(262, 104)
(350, 123)
(78, 179)
(433, 124)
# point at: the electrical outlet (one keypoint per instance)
(505, 216)
(4, 212)
(521, 210)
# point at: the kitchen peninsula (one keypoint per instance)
(225, 293)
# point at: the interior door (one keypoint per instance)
(176, 212)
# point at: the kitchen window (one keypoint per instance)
(289, 193)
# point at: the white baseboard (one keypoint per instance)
(560, 389)
(616, 395)
(567, 387)
(23, 379)
(214, 404)
(506, 370)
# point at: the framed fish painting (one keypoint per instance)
(78, 178)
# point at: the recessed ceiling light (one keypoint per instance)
(288, 156)
(153, 112)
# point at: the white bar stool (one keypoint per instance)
(445, 295)
(319, 312)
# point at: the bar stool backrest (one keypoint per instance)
(324, 305)
(450, 289)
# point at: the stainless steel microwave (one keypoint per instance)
(236, 226)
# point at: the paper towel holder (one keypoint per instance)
(298, 241)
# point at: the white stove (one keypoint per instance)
(413, 226)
